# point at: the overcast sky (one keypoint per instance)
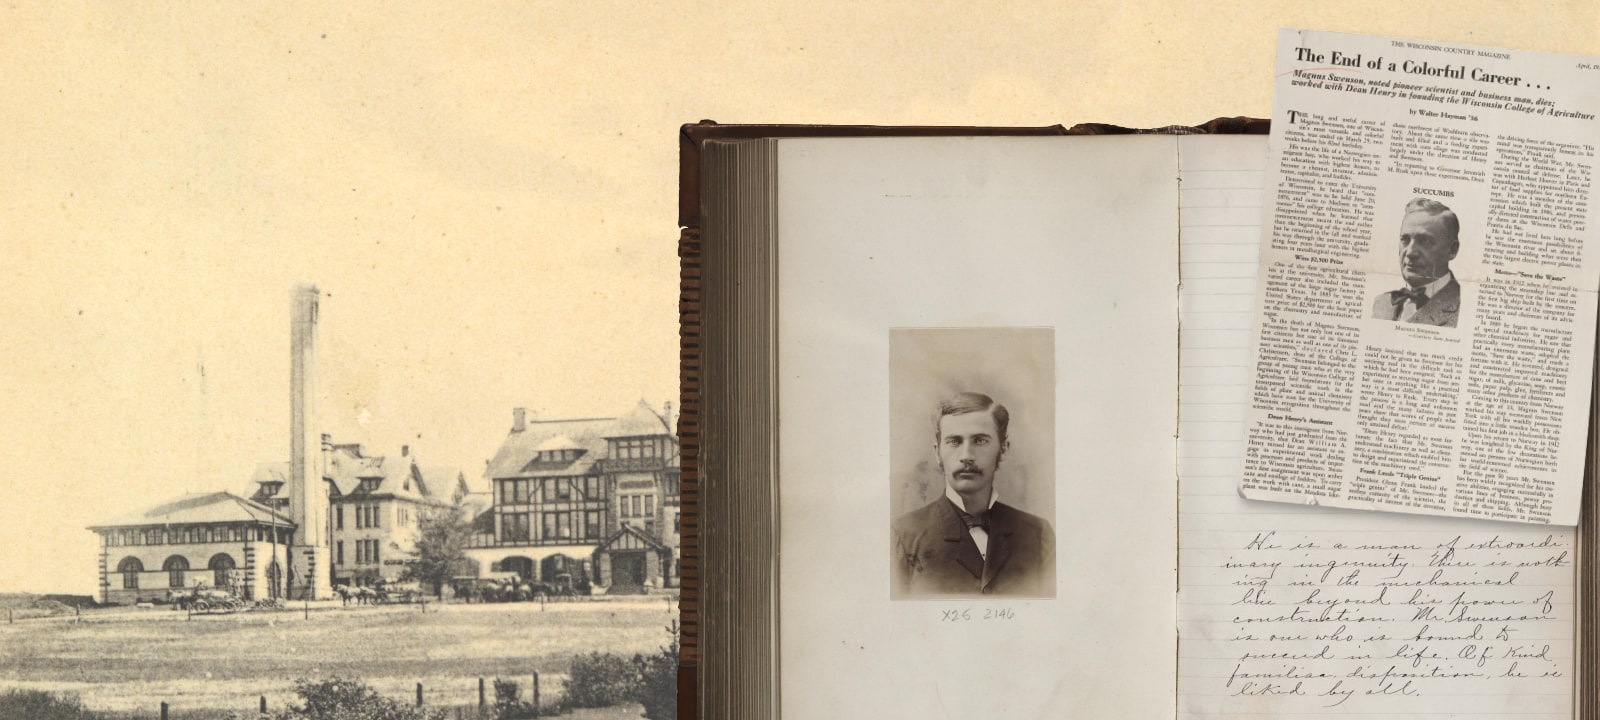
(485, 194)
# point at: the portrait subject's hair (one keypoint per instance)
(970, 402)
(1437, 209)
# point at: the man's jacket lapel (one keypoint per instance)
(959, 542)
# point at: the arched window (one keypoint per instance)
(130, 567)
(175, 566)
(221, 566)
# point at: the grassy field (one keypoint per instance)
(129, 661)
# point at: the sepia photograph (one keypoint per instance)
(1429, 238)
(972, 461)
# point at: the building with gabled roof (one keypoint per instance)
(214, 539)
(375, 505)
(566, 492)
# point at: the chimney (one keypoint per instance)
(519, 419)
(308, 496)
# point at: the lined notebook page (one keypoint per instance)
(1289, 611)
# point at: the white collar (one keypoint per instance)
(949, 492)
(1433, 288)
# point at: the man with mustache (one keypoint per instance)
(968, 542)
(1428, 242)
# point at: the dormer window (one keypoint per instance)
(369, 485)
(269, 489)
(635, 448)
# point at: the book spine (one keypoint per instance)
(689, 320)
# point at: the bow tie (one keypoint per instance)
(982, 519)
(1416, 295)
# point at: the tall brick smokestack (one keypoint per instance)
(308, 497)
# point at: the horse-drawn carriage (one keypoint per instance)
(496, 587)
(382, 592)
(203, 600)
(401, 592)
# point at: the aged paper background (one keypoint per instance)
(486, 192)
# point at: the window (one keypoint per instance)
(564, 489)
(338, 517)
(591, 488)
(152, 536)
(591, 524)
(549, 525)
(366, 552)
(130, 567)
(338, 553)
(677, 522)
(221, 566)
(650, 505)
(549, 490)
(636, 448)
(175, 566)
(514, 527)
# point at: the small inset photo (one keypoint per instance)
(972, 462)
(1429, 237)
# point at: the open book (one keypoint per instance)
(974, 420)
(1101, 290)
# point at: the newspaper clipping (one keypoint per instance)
(1424, 340)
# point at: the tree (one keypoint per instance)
(442, 538)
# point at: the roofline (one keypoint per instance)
(273, 522)
(389, 496)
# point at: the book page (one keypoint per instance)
(923, 284)
(1309, 612)
(1426, 320)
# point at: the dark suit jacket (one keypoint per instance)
(1441, 309)
(934, 555)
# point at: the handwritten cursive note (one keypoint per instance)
(1305, 612)
(1337, 621)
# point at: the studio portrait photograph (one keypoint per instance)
(972, 462)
